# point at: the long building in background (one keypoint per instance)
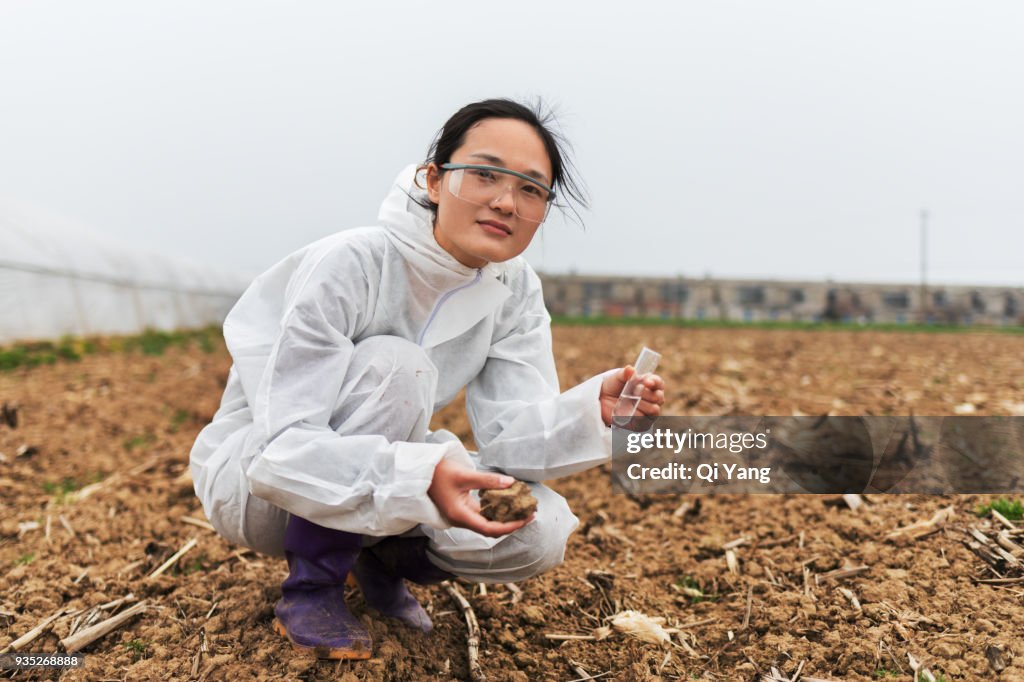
(765, 300)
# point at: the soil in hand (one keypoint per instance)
(513, 503)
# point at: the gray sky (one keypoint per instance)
(789, 139)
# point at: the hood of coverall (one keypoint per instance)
(469, 294)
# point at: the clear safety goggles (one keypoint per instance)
(481, 185)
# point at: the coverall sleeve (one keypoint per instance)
(521, 423)
(358, 483)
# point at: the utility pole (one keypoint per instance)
(924, 265)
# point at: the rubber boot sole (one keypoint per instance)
(330, 653)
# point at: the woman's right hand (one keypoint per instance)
(450, 491)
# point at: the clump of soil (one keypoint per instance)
(514, 503)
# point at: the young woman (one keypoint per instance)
(343, 351)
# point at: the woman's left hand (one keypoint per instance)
(652, 395)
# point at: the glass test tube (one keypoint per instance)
(630, 396)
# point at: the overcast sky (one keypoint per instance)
(787, 139)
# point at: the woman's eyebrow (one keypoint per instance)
(496, 161)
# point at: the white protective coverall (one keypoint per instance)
(343, 351)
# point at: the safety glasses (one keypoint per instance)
(482, 185)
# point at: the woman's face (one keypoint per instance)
(476, 235)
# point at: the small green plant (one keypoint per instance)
(154, 342)
(1011, 509)
(883, 672)
(178, 419)
(692, 589)
(67, 349)
(62, 489)
(44, 358)
(139, 441)
(206, 343)
(25, 559)
(138, 647)
(12, 358)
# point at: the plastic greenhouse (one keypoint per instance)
(57, 278)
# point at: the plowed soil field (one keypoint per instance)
(750, 587)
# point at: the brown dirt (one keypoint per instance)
(514, 503)
(111, 413)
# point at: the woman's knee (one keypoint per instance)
(540, 545)
(392, 358)
(389, 390)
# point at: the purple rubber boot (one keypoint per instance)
(312, 613)
(380, 571)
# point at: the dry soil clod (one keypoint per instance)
(9, 415)
(514, 503)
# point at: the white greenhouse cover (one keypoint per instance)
(58, 278)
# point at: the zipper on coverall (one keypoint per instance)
(440, 302)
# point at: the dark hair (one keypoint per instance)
(569, 191)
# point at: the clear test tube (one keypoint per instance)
(646, 363)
